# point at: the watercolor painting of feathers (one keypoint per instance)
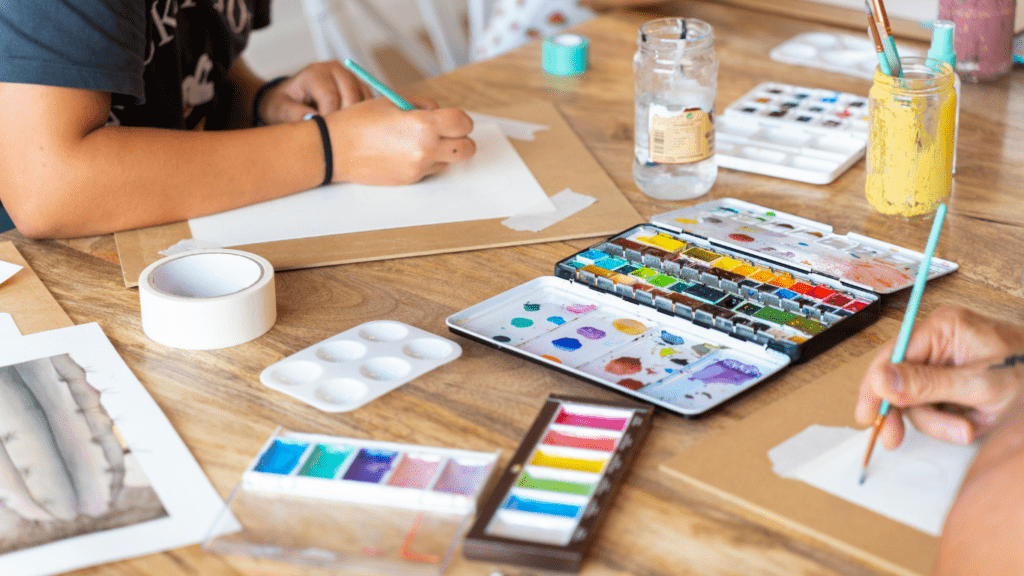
(91, 471)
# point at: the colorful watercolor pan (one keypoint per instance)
(672, 328)
(552, 497)
(358, 365)
(843, 53)
(349, 503)
(792, 132)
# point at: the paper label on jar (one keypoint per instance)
(685, 137)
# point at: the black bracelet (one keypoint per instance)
(325, 137)
(258, 99)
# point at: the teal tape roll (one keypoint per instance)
(565, 54)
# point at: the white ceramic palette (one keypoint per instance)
(843, 53)
(791, 132)
(358, 365)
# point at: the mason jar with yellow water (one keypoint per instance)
(910, 139)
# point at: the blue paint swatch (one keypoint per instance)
(282, 457)
(371, 465)
(567, 344)
(541, 507)
(783, 293)
(610, 263)
(592, 256)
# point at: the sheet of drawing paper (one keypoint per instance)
(7, 270)
(8, 329)
(914, 484)
(110, 478)
(495, 183)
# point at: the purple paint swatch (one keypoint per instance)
(726, 372)
(567, 344)
(461, 477)
(591, 333)
(370, 465)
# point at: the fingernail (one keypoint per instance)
(957, 435)
(893, 380)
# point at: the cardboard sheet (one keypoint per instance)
(24, 297)
(556, 157)
(735, 465)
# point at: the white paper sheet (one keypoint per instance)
(8, 329)
(155, 461)
(914, 484)
(495, 183)
(7, 270)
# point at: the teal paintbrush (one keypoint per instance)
(903, 339)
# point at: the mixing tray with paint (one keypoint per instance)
(698, 306)
(792, 132)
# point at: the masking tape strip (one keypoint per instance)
(565, 54)
(207, 299)
(566, 204)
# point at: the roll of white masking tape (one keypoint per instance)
(207, 299)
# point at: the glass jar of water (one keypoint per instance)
(676, 72)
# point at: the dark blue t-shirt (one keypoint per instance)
(163, 61)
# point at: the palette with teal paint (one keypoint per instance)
(724, 283)
(346, 503)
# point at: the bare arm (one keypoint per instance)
(984, 532)
(65, 173)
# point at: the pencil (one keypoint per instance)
(378, 85)
(903, 338)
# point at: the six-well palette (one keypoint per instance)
(698, 306)
(550, 500)
(355, 504)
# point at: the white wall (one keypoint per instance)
(286, 45)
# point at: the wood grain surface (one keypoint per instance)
(486, 400)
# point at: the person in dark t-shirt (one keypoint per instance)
(120, 114)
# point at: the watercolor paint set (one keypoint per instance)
(844, 53)
(549, 502)
(358, 365)
(698, 306)
(347, 503)
(792, 132)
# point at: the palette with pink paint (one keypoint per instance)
(698, 306)
(346, 503)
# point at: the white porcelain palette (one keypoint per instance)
(358, 365)
(792, 132)
(843, 53)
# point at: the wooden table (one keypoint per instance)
(486, 400)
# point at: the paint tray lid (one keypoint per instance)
(801, 244)
(342, 521)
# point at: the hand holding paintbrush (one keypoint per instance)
(903, 338)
